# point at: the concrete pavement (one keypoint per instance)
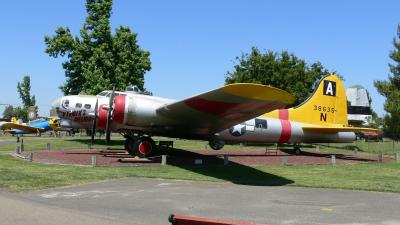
(150, 201)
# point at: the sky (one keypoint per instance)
(193, 44)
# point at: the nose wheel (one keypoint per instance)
(142, 147)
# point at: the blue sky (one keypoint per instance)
(194, 43)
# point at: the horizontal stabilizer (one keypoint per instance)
(338, 129)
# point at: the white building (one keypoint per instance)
(359, 106)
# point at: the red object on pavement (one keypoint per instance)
(188, 220)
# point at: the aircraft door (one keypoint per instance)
(260, 124)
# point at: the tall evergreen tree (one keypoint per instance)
(281, 70)
(390, 89)
(28, 100)
(99, 60)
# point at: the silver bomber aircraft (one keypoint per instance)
(233, 113)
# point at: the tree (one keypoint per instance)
(390, 89)
(8, 112)
(281, 70)
(24, 91)
(99, 60)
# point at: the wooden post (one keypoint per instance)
(393, 146)
(380, 156)
(317, 148)
(397, 157)
(284, 161)
(333, 159)
(22, 145)
(94, 160)
(48, 146)
(226, 160)
(163, 160)
(30, 157)
(18, 149)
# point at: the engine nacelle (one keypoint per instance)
(136, 110)
(102, 118)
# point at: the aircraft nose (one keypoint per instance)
(55, 105)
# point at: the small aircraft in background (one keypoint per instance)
(233, 113)
(37, 126)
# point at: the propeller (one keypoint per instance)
(109, 116)
(94, 123)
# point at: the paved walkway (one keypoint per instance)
(150, 201)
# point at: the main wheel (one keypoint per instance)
(297, 150)
(144, 147)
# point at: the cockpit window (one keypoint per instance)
(78, 105)
(87, 106)
(65, 103)
(103, 93)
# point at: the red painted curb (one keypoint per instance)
(188, 220)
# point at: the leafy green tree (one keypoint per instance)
(24, 91)
(99, 60)
(21, 113)
(391, 90)
(281, 70)
(8, 112)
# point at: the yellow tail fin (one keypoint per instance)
(327, 106)
(14, 120)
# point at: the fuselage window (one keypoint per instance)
(65, 103)
(88, 106)
(78, 105)
(260, 123)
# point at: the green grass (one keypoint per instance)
(32, 143)
(17, 175)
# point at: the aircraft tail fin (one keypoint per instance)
(14, 120)
(327, 106)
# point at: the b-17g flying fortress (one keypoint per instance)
(85, 99)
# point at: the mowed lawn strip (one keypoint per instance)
(18, 175)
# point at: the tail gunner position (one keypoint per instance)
(233, 113)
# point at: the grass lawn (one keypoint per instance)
(32, 143)
(17, 175)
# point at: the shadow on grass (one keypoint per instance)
(102, 142)
(213, 166)
(329, 155)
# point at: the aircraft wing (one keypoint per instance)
(224, 107)
(26, 128)
(338, 129)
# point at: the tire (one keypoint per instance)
(297, 150)
(129, 144)
(144, 147)
(216, 144)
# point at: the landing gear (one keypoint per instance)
(142, 147)
(216, 143)
(297, 150)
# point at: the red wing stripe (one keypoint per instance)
(286, 132)
(219, 108)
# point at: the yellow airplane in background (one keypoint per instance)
(233, 113)
(33, 127)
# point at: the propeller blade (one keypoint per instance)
(94, 123)
(109, 116)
